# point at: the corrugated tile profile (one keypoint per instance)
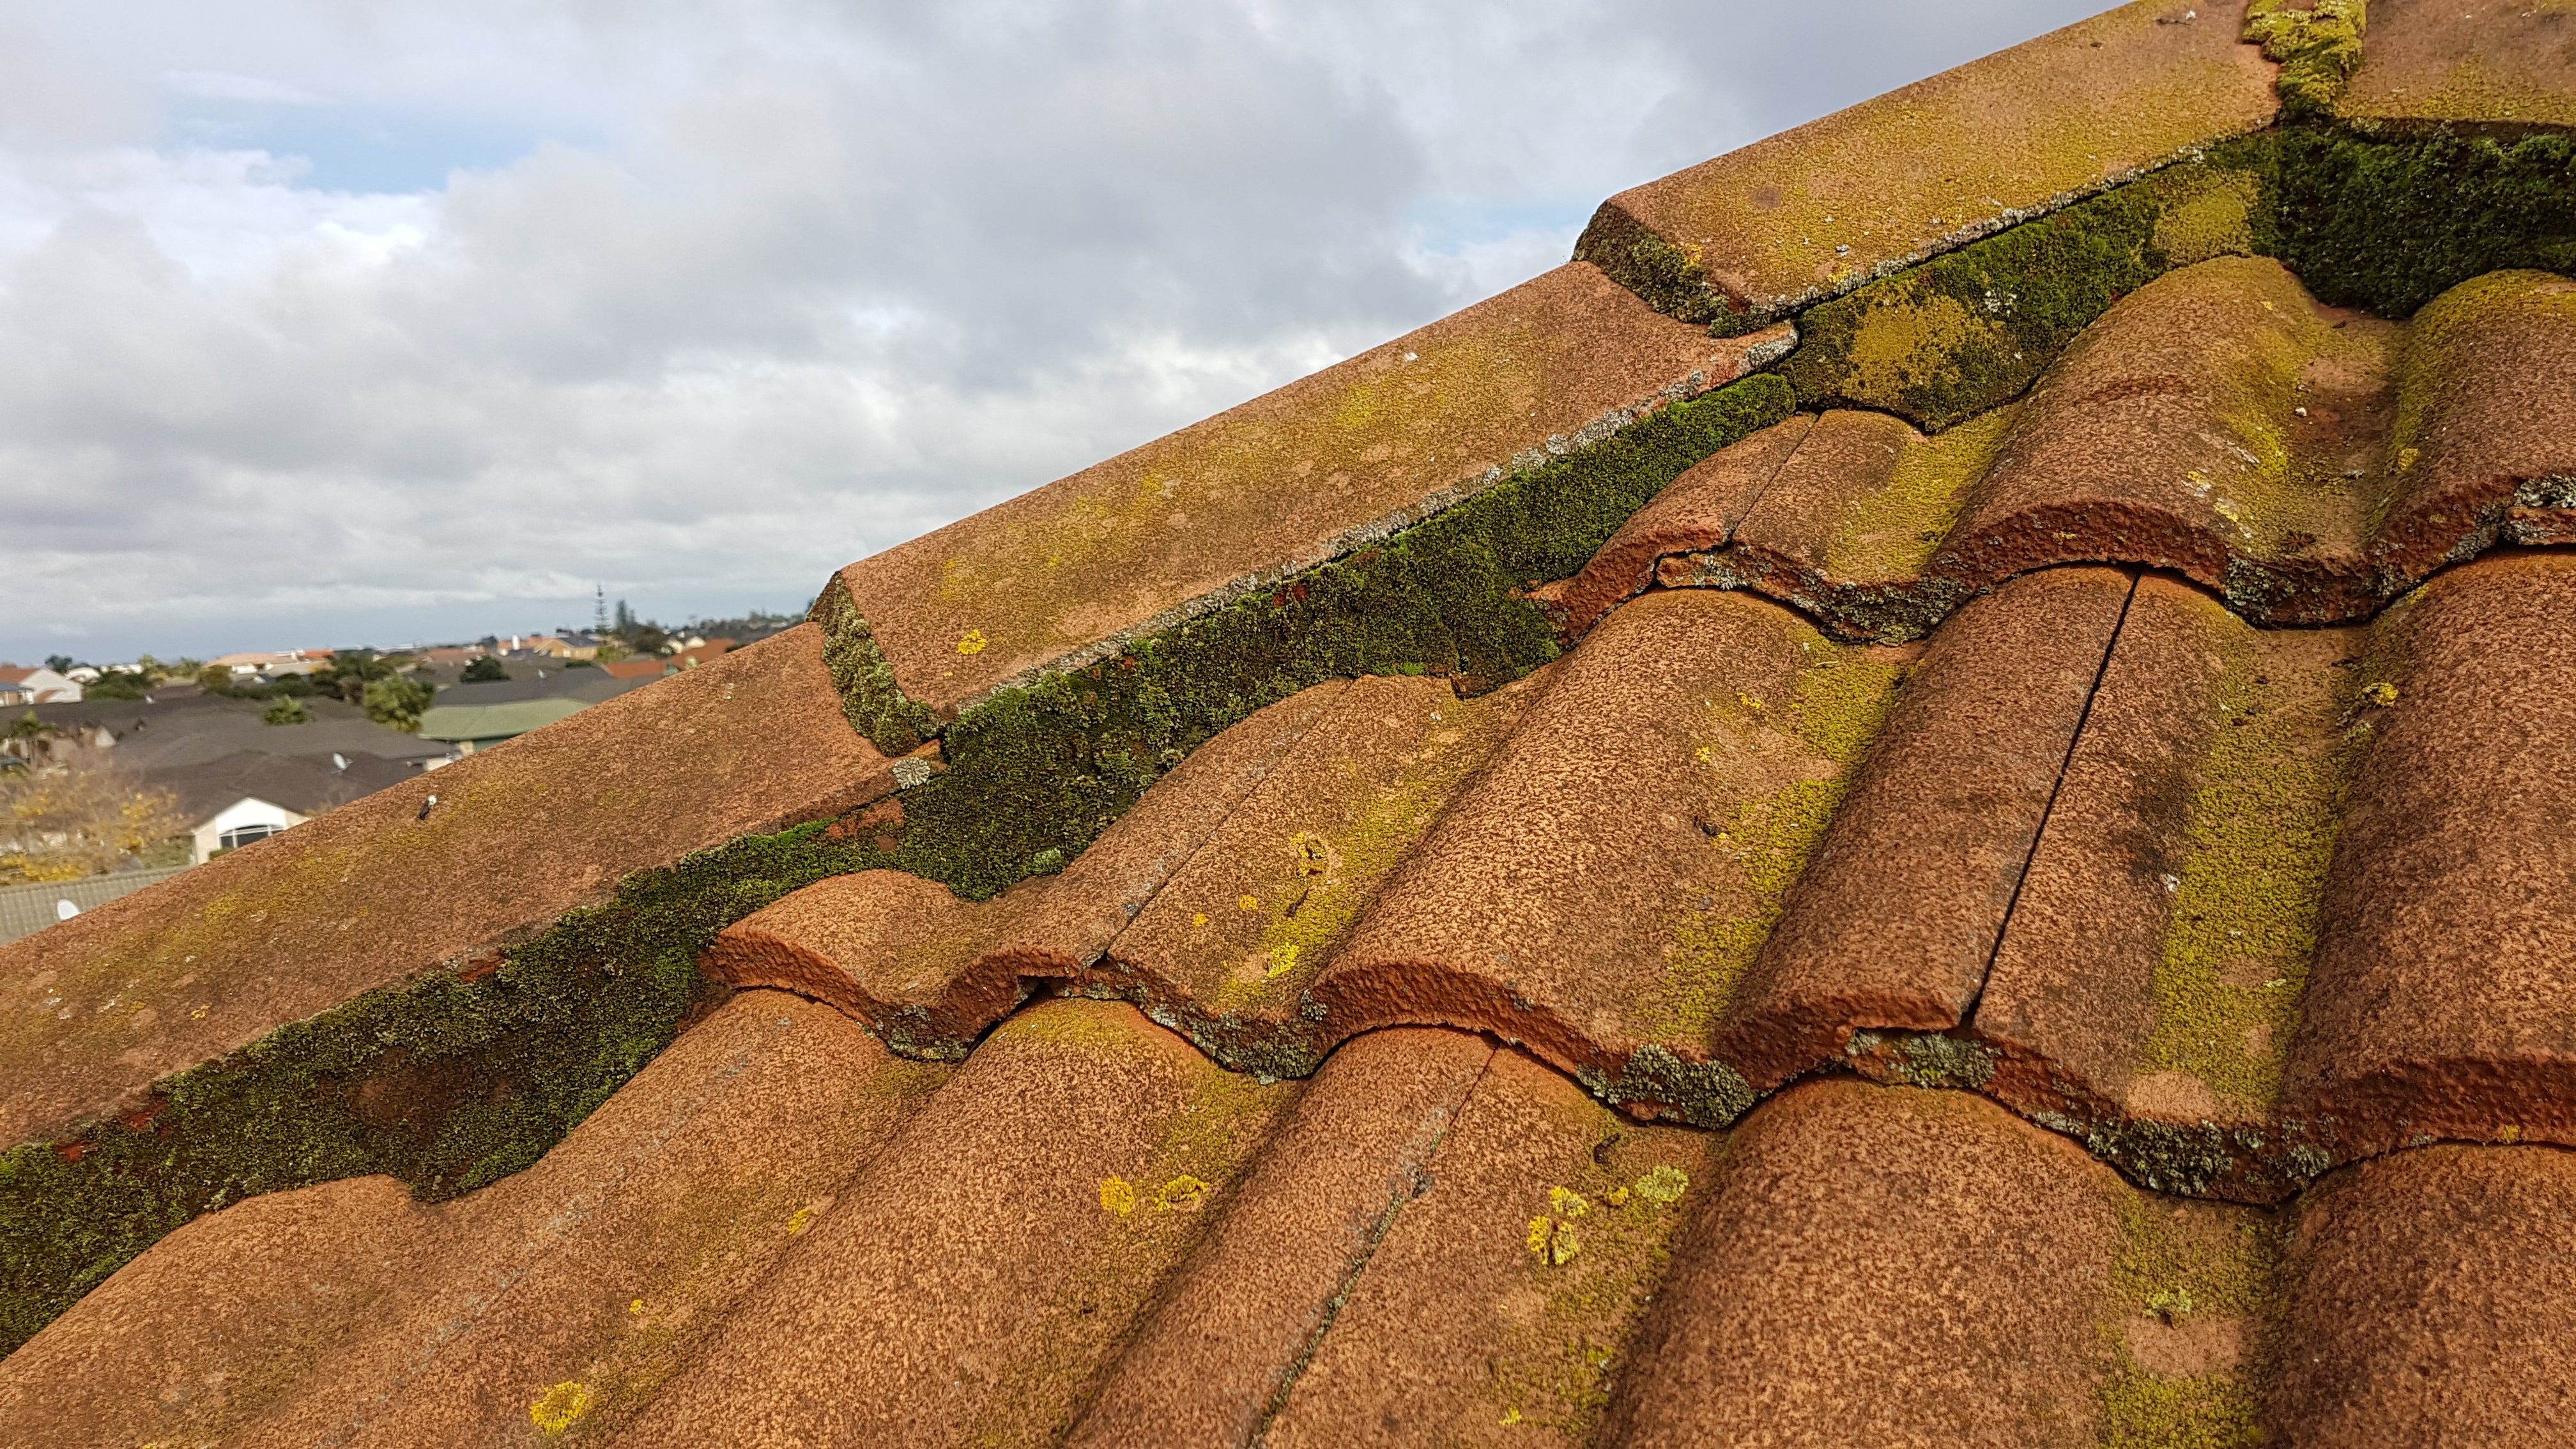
(2048, 919)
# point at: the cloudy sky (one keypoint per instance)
(352, 321)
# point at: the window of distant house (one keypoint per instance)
(241, 835)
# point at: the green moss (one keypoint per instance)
(2391, 224)
(875, 705)
(2204, 1411)
(1947, 340)
(2318, 49)
(2262, 830)
(448, 1082)
(1036, 773)
(1663, 276)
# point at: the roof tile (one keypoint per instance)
(182, 972)
(2435, 1302)
(381, 1321)
(2153, 965)
(1498, 1307)
(1875, 1265)
(2501, 67)
(1600, 887)
(973, 1281)
(2442, 1001)
(1236, 1326)
(1064, 574)
(1894, 924)
(1820, 209)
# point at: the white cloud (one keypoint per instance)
(365, 321)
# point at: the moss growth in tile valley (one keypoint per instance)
(874, 704)
(2392, 224)
(1960, 334)
(1772, 825)
(448, 1082)
(1037, 772)
(2385, 224)
(2186, 1268)
(2263, 824)
(2318, 48)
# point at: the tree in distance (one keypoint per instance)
(286, 711)
(396, 701)
(79, 819)
(486, 669)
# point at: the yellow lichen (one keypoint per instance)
(973, 642)
(1184, 1192)
(1117, 1195)
(799, 1221)
(1663, 1185)
(2382, 694)
(1565, 1202)
(1909, 339)
(2211, 220)
(561, 1407)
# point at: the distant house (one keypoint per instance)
(36, 686)
(452, 655)
(246, 797)
(635, 668)
(553, 646)
(699, 653)
(471, 727)
(274, 662)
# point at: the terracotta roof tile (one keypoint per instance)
(1894, 924)
(1601, 887)
(1059, 576)
(2441, 999)
(2491, 66)
(103, 1005)
(1238, 1323)
(1882, 1266)
(2489, 425)
(381, 1321)
(1698, 511)
(1499, 1307)
(1234, 947)
(1815, 211)
(975, 1279)
(932, 972)
(2153, 965)
(2115, 1018)
(2308, 462)
(2435, 1302)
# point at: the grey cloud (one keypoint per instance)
(837, 274)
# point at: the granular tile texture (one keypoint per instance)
(2308, 463)
(2492, 67)
(1813, 212)
(1065, 574)
(2026, 897)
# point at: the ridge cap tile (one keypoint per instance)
(1815, 211)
